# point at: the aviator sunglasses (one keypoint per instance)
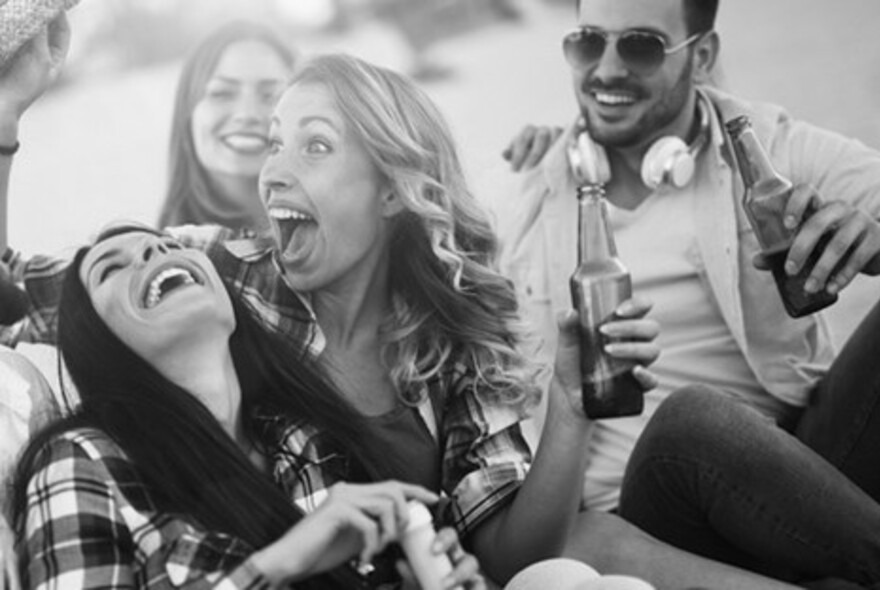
(643, 52)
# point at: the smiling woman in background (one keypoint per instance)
(225, 96)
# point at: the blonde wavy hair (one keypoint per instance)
(450, 308)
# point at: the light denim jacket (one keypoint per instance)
(536, 218)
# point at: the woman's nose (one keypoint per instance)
(275, 176)
(251, 107)
(151, 248)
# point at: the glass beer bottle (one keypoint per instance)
(766, 195)
(599, 284)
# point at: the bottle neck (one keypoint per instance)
(595, 241)
(753, 161)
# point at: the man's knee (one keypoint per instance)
(690, 412)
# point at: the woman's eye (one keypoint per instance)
(220, 94)
(108, 270)
(318, 146)
(274, 146)
(173, 245)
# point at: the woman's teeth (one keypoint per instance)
(165, 282)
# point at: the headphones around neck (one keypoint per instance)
(668, 162)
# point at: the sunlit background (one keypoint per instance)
(94, 149)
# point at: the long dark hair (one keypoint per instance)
(189, 464)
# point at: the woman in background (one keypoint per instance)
(225, 96)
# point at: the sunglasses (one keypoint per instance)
(642, 52)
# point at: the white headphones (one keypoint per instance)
(669, 161)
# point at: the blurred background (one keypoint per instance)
(94, 149)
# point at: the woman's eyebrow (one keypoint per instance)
(111, 253)
(128, 229)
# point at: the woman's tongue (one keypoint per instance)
(296, 236)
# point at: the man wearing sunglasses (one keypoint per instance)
(642, 72)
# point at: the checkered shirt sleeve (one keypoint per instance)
(83, 529)
(485, 456)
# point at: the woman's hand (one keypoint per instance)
(466, 570)
(629, 335)
(355, 521)
(32, 70)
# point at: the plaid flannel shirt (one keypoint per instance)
(485, 457)
(91, 524)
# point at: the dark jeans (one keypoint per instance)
(718, 479)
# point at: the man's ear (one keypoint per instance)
(392, 204)
(705, 56)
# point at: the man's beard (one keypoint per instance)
(646, 127)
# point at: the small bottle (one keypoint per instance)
(765, 198)
(430, 568)
(600, 283)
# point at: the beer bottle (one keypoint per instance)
(765, 198)
(599, 284)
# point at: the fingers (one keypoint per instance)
(466, 569)
(647, 380)
(802, 203)
(834, 244)
(760, 261)
(639, 330)
(58, 42)
(567, 320)
(527, 149)
(384, 503)
(635, 307)
(516, 151)
(643, 353)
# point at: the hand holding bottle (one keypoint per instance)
(355, 521)
(834, 238)
(630, 336)
(435, 560)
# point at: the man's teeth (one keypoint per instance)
(614, 99)
(283, 213)
(156, 291)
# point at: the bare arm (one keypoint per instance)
(540, 520)
(22, 80)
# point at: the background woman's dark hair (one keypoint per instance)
(190, 465)
(190, 198)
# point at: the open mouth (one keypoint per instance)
(167, 281)
(289, 223)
